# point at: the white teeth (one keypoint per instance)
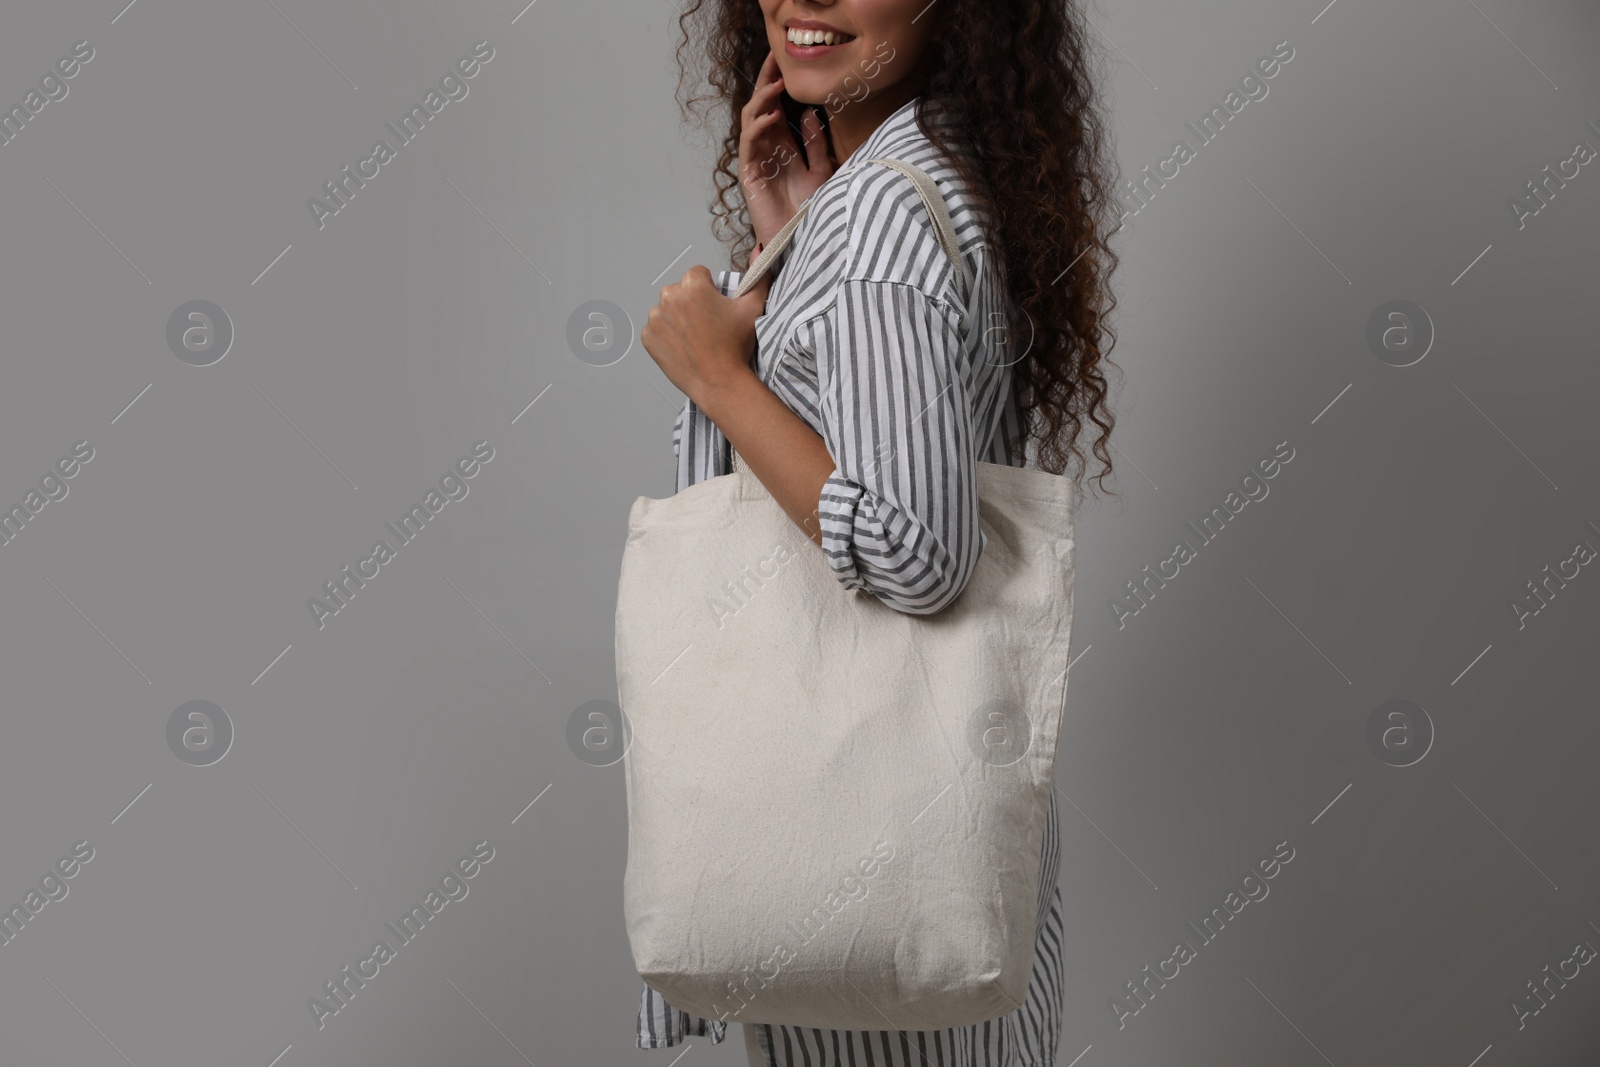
(806, 38)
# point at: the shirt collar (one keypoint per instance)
(889, 130)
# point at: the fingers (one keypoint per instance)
(768, 88)
(760, 118)
(756, 127)
(761, 122)
(764, 98)
(752, 129)
(696, 279)
(649, 331)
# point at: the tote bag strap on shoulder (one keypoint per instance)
(943, 228)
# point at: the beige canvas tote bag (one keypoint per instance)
(836, 809)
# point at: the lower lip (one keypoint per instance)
(813, 51)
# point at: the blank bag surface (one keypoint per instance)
(835, 809)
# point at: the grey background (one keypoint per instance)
(1226, 717)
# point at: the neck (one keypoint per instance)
(851, 127)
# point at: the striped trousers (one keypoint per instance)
(1026, 1037)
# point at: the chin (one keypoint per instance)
(812, 83)
(812, 91)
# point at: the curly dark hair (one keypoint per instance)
(1008, 98)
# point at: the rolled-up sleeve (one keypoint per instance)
(899, 513)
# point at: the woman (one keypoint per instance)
(874, 386)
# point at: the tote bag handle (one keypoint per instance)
(943, 228)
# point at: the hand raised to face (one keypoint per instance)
(776, 174)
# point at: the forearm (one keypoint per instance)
(784, 453)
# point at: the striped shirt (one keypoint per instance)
(868, 338)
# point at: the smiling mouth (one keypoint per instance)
(802, 38)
